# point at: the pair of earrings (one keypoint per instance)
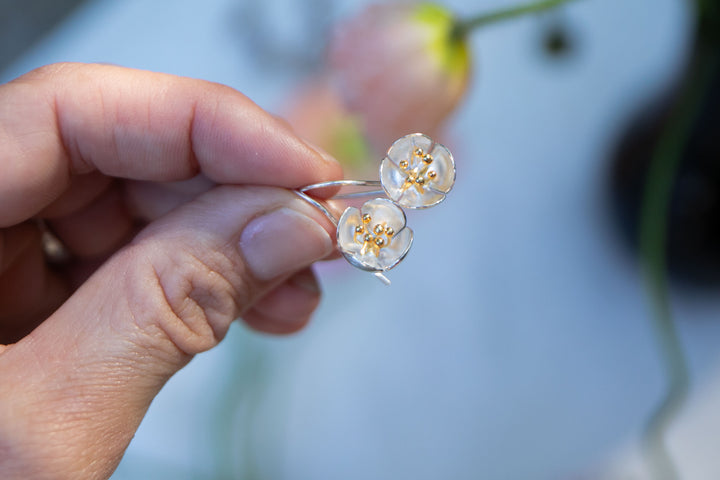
(416, 173)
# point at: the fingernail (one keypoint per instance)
(281, 242)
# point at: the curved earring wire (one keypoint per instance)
(315, 203)
(345, 183)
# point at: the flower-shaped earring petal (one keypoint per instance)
(417, 172)
(374, 237)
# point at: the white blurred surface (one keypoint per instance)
(515, 341)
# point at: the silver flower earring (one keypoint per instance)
(415, 173)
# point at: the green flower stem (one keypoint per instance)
(237, 407)
(465, 26)
(653, 244)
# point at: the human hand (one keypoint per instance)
(98, 152)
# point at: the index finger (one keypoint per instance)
(71, 119)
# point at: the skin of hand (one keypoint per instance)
(171, 195)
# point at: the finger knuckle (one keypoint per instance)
(190, 300)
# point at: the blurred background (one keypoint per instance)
(518, 339)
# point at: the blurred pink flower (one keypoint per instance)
(400, 69)
(317, 114)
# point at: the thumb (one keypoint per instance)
(75, 389)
